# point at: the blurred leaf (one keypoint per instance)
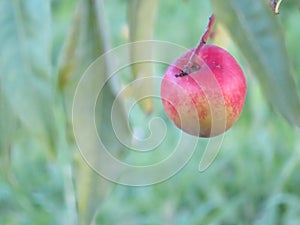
(141, 19)
(257, 32)
(221, 37)
(290, 5)
(25, 72)
(8, 123)
(8, 126)
(68, 58)
(92, 189)
(289, 17)
(87, 40)
(82, 46)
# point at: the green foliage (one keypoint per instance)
(45, 48)
(141, 14)
(26, 72)
(258, 34)
(87, 40)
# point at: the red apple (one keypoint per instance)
(208, 101)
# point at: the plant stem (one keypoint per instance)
(192, 64)
(275, 5)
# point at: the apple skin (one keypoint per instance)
(206, 102)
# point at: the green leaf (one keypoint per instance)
(25, 59)
(141, 19)
(83, 44)
(258, 34)
(8, 125)
(87, 40)
(92, 190)
(68, 59)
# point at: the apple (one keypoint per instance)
(207, 100)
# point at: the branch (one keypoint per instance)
(192, 64)
(275, 5)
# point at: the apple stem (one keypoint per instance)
(192, 64)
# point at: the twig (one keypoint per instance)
(192, 64)
(275, 5)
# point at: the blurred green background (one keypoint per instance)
(45, 48)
